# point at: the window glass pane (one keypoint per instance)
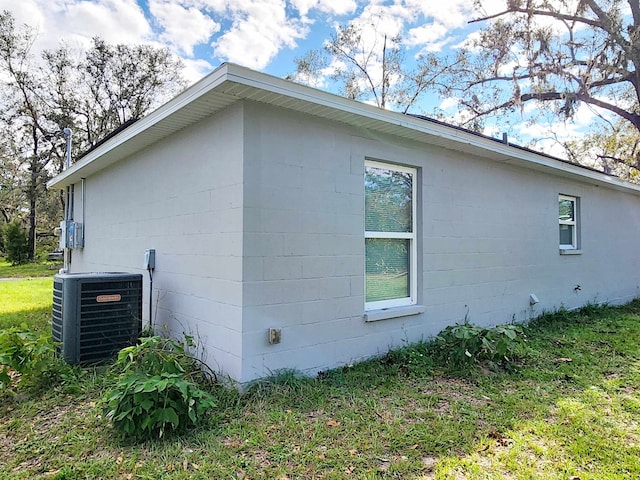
(388, 200)
(566, 212)
(566, 234)
(387, 268)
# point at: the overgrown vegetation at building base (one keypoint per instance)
(568, 408)
(460, 348)
(152, 388)
(26, 356)
(467, 344)
(157, 389)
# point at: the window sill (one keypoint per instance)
(393, 312)
(570, 251)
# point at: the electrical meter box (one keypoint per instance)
(71, 235)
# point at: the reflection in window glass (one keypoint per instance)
(567, 222)
(389, 235)
(387, 269)
(566, 209)
(388, 200)
(566, 234)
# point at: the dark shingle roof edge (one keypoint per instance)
(497, 140)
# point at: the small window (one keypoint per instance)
(390, 236)
(568, 220)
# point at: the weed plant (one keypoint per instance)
(28, 360)
(24, 354)
(461, 348)
(157, 390)
(463, 345)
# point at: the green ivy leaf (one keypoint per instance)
(170, 415)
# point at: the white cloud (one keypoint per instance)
(427, 25)
(27, 12)
(195, 69)
(184, 26)
(548, 135)
(116, 21)
(468, 42)
(432, 37)
(259, 31)
(217, 6)
(378, 20)
(447, 103)
(335, 7)
(490, 7)
(449, 13)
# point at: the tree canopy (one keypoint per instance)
(558, 54)
(92, 92)
(607, 148)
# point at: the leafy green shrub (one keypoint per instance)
(22, 351)
(16, 243)
(466, 344)
(157, 390)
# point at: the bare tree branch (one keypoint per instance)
(542, 13)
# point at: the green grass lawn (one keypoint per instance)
(37, 269)
(26, 301)
(569, 410)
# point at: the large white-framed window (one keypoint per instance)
(390, 235)
(568, 222)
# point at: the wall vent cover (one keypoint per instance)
(96, 314)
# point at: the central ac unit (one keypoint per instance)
(96, 314)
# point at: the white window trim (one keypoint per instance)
(412, 299)
(574, 223)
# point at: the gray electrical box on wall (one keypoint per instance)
(150, 259)
(71, 235)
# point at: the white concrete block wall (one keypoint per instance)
(305, 224)
(182, 196)
(488, 238)
(257, 217)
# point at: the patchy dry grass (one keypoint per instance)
(569, 410)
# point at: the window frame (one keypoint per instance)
(575, 237)
(412, 298)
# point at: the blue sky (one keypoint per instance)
(261, 34)
(265, 35)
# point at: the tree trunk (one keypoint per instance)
(33, 189)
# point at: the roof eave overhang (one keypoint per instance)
(231, 83)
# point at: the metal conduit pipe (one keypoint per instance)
(67, 204)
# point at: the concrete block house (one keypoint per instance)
(344, 229)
